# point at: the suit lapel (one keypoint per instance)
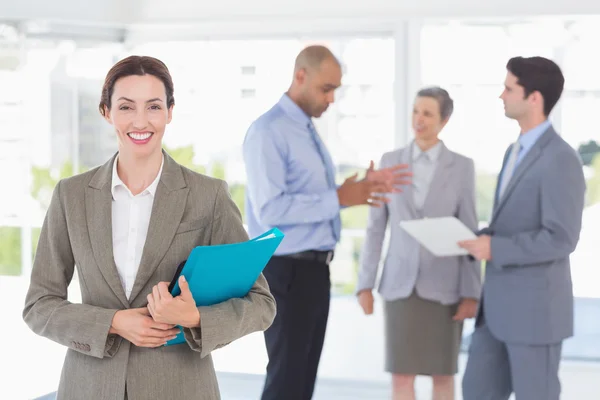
(98, 208)
(499, 179)
(167, 211)
(532, 156)
(440, 178)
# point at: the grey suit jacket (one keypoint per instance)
(189, 210)
(408, 265)
(528, 294)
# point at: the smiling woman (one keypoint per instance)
(125, 225)
(137, 99)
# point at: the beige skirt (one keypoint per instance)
(421, 338)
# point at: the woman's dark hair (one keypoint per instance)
(442, 97)
(538, 74)
(136, 65)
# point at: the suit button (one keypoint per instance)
(87, 347)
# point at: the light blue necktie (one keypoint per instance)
(330, 175)
(509, 170)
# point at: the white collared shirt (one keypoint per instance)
(130, 220)
(424, 164)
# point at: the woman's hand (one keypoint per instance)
(366, 301)
(466, 309)
(137, 326)
(180, 310)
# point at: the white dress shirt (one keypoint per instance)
(424, 164)
(130, 220)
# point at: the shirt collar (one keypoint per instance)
(293, 110)
(116, 181)
(433, 153)
(528, 139)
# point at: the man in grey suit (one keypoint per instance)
(526, 309)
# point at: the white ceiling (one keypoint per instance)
(121, 19)
(127, 12)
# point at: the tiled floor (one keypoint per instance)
(580, 380)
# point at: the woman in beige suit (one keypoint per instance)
(126, 226)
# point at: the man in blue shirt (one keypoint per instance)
(291, 186)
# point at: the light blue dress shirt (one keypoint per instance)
(527, 140)
(291, 181)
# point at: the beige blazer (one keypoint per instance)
(189, 210)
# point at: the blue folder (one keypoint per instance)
(222, 272)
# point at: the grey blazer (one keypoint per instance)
(528, 294)
(408, 265)
(189, 210)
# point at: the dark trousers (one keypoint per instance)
(295, 339)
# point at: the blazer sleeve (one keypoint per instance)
(470, 269)
(81, 327)
(373, 244)
(223, 323)
(561, 201)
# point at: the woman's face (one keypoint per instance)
(426, 118)
(139, 114)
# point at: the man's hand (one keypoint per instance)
(180, 310)
(392, 177)
(466, 309)
(366, 301)
(139, 328)
(354, 193)
(480, 248)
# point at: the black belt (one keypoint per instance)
(324, 257)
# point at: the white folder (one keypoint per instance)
(439, 235)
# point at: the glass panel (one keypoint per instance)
(37, 142)
(13, 169)
(578, 108)
(10, 250)
(581, 64)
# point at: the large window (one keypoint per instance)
(474, 72)
(579, 105)
(13, 162)
(222, 86)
